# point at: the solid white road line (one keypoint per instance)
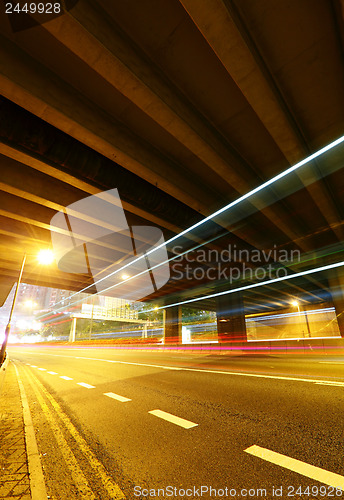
(53, 373)
(88, 386)
(143, 364)
(298, 466)
(112, 395)
(198, 370)
(65, 378)
(186, 424)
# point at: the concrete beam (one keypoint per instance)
(32, 86)
(228, 42)
(60, 106)
(63, 108)
(72, 181)
(137, 80)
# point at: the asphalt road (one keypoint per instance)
(260, 426)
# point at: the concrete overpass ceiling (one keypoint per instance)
(304, 58)
(183, 106)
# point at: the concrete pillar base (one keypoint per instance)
(230, 314)
(72, 330)
(336, 283)
(173, 325)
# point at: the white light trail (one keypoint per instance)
(212, 216)
(230, 205)
(254, 285)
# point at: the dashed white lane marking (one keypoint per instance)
(65, 378)
(298, 466)
(43, 369)
(331, 362)
(53, 373)
(33, 366)
(112, 395)
(88, 386)
(198, 370)
(186, 424)
(336, 384)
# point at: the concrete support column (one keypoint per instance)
(336, 283)
(145, 331)
(172, 317)
(231, 318)
(72, 330)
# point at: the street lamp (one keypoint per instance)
(44, 257)
(30, 304)
(296, 304)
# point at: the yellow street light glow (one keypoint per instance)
(156, 308)
(30, 304)
(295, 303)
(45, 257)
(125, 276)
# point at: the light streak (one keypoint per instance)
(254, 285)
(287, 339)
(256, 190)
(226, 207)
(128, 278)
(248, 287)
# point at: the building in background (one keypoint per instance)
(38, 306)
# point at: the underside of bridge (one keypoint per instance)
(183, 106)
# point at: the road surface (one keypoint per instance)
(124, 424)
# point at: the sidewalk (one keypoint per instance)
(14, 474)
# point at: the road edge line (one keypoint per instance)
(106, 479)
(36, 477)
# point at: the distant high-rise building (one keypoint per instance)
(33, 300)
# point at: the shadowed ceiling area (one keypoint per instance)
(183, 106)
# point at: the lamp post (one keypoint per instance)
(8, 327)
(91, 324)
(44, 257)
(296, 304)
